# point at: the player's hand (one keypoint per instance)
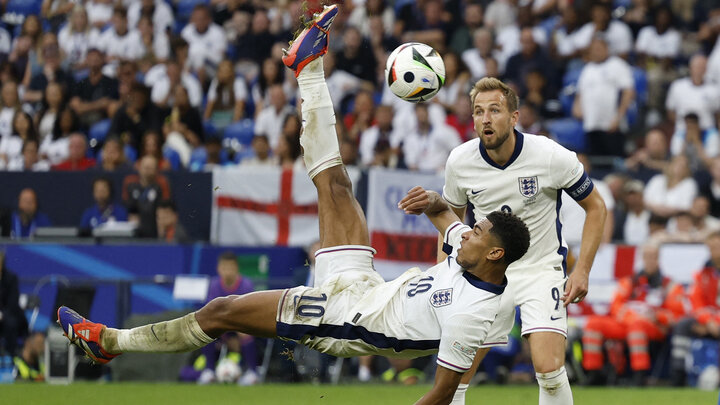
(415, 202)
(576, 287)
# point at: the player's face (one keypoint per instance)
(492, 120)
(475, 244)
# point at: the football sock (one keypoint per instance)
(174, 336)
(319, 138)
(459, 398)
(554, 388)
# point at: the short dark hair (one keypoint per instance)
(169, 204)
(227, 256)
(512, 233)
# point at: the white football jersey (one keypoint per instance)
(443, 310)
(529, 185)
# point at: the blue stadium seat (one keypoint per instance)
(239, 135)
(16, 10)
(568, 132)
(173, 157)
(641, 97)
(98, 132)
(130, 153)
(569, 88)
(209, 128)
(197, 159)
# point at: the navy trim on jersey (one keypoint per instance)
(562, 250)
(348, 331)
(484, 285)
(516, 152)
(581, 189)
(452, 365)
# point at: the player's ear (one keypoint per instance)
(496, 253)
(515, 116)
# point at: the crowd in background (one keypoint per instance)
(633, 86)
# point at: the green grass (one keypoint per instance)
(299, 394)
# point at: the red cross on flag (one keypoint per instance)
(264, 206)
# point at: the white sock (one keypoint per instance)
(459, 398)
(177, 335)
(319, 138)
(554, 388)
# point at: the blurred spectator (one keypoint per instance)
(539, 94)
(637, 15)
(460, 118)
(528, 120)
(713, 67)
(510, 42)
(152, 146)
(99, 12)
(348, 152)
(92, 96)
(356, 57)
(77, 157)
(262, 153)
(11, 146)
(29, 160)
(141, 194)
(657, 47)
(5, 44)
(56, 148)
(207, 42)
(127, 77)
(693, 95)
(163, 90)
(256, 43)
(289, 154)
(105, 209)
(341, 84)
(56, 12)
(30, 363)
(226, 97)
(113, 156)
(673, 191)
(433, 28)
(10, 105)
(25, 220)
(604, 92)
(616, 33)
(53, 102)
(699, 145)
(427, 148)
(362, 14)
(499, 14)
(462, 39)
(378, 138)
(457, 81)
(270, 121)
(633, 223)
(160, 13)
(645, 305)
(13, 324)
(651, 159)
(703, 224)
(476, 58)
(361, 116)
(711, 189)
(155, 42)
(703, 321)
(119, 42)
(566, 36)
(179, 50)
(168, 227)
(136, 116)
(214, 153)
(51, 72)
(32, 28)
(272, 72)
(183, 130)
(572, 215)
(75, 38)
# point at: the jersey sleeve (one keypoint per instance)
(568, 174)
(451, 190)
(461, 338)
(451, 241)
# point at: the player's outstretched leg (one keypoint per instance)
(342, 221)
(253, 314)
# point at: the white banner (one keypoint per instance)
(264, 206)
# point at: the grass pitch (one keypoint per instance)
(300, 394)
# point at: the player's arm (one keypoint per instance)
(577, 284)
(441, 255)
(420, 201)
(443, 390)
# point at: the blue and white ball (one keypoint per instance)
(415, 72)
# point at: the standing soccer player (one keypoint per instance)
(351, 311)
(525, 175)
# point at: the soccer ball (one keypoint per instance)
(415, 72)
(227, 371)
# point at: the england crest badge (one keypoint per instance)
(528, 186)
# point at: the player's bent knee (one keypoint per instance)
(213, 315)
(553, 381)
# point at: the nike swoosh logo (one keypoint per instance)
(552, 318)
(477, 192)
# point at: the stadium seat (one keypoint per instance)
(16, 10)
(197, 159)
(173, 157)
(569, 133)
(209, 128)
(635, 111)
(98, 132)
(130, 153)
(239, 135)
(569, 88)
